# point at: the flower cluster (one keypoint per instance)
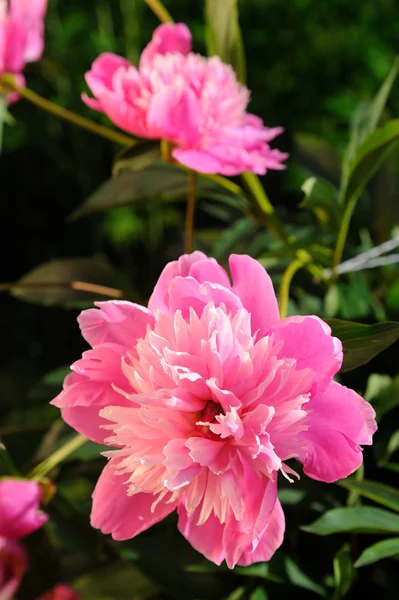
(204, 388)
(21, 35)
(193, 102)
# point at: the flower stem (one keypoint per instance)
(303, 258)
(343, 232)
(160, 11)
(7, 466)
(80, 286)
(57, 457)
(7, 82)
(191, 198)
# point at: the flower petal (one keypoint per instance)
(167, 39)
(20, 508)
(254, 287)
(121, 515)
(339, 420)
(269, 541)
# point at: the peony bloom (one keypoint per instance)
(13, 564)
(21, 35)
(204, 396)
(19, 508)
(60, 592)
(195, 103)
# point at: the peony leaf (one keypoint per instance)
(357, 519)
(223, 34)
(71, 283)
(317, 156)
(362, 342)
(378, 492)
(322, 199)
(343, 571)
(378, 551)
(165, 182)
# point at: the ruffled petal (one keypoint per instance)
(308, 340)
(116, 322)
(269, 541)
(121, 515)
(254, 287)
(167, 39)
(339, 420)
(20, 512)
(174, 114)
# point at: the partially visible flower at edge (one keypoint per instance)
(21, 37)
(195, 103)
(204, 396)
(13, 564)
(60, 592)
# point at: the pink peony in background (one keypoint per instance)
(21, 35)
(60, 592)
(195, 103)
(19, 515)
(204, 396)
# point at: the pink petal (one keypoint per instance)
(116, 322)
(254, 287)
(269, 542)
(309, 341)
(13, 564)
(167, 38)
(174, 114)
(20, 508)
(121, 515)
(206, 538)
(90, 388)
(30, 15)
(187, 293)
(339, 420)
(60, 592)
(198, 160)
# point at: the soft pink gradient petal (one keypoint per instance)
(91, 387)
(254, 287)
(167, 39)
(20, 512)
(339, 420)
(115, 322)
(269, 542)
(13, 564)
(121, 515)
(175, 113)
(198, 160)
(60, 592)
(31, 13)
(309, 341)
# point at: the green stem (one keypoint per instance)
(190, 211)
(3, 109)
(6, 463)
(343, 232)
(303, 258)
(160, 11)
(57, 457)
(7, 81)
(80, 286)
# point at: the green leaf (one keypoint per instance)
(223, 34)
(378, 104)
(362, 342)
(383, 393)
(357, 519)
(141, 155)
(67, 282)
(237, 594)
(378, 551)
(343, 571)
(378, 492)
(116, 582)
(297, 577)
(322, 199)
(366, 161)
(164, 182)
(259, 594)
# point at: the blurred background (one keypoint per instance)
(309, 65)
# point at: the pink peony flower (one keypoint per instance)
(195, 103)
(205, 395)
(19, 508)
(60, 592)
(13, 564)
(21, 35)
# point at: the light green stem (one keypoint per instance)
(303, 258)
(57, 457)
(343, 232)
(160, 11)
(7, 81)
(3, 109)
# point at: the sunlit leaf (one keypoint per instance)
(357, 519)
(362, 342)
(384, 549)
(378, 492)
(322, 199)
(223, 34)
(71, 282)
